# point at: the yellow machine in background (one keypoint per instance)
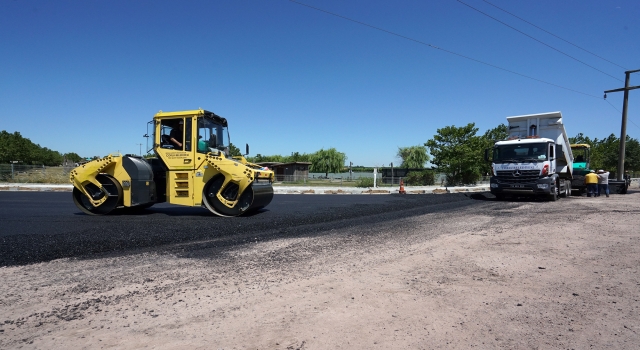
(192, 168)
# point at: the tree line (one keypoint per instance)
(16, 148)
(458, 152)
(605, 152)
(322, 161)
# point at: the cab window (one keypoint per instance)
(172, 134)
(211, 136)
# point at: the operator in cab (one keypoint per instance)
(175, 137)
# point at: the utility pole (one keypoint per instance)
(139, 144)
(623, 128)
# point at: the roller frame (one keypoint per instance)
(229, 169)
(87, 173)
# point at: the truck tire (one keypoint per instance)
(567, 189)
(554, 195)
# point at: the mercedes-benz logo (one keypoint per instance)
(516, 173)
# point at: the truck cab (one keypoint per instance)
(534, 160)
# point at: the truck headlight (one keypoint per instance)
(494, 185)
(543, 186)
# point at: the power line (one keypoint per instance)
(512, 72)
(439, 48)
(614, 107)
(541, 42)
(548, 32)
(451, 52)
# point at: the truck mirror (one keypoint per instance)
(558, 149)
(247, 150)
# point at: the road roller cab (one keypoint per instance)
(193, 167)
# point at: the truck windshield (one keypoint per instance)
(521, 152)
(212, 135)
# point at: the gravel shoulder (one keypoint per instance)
(513, 275)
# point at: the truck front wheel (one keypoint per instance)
(554, 195)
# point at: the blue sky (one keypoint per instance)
(87, 76)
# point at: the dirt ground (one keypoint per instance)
(514, 275)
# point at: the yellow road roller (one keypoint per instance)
(193, 167)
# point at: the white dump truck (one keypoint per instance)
(535, 159)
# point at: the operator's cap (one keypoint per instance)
(592, 171)
(181, 122)
(600, 171)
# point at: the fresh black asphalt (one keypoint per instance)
(42, 226)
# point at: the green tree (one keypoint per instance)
(581, 139)
(259, 158)
(14, 147)
(489, 138)
(498, 133)
(255, 159)
(327, 161)
(73, 157)
(294, 157)
(605, 153)
(49, 157)
(297, 157)
(414, 157)
(457, 152)
(632, 155)
(234, 151)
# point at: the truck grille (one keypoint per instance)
(518, 176)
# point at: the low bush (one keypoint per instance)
(420, 178)
(364, 182)
(469, 177)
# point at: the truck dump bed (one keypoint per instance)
(546, 126)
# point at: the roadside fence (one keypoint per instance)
(350, 179)
(22, 173)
